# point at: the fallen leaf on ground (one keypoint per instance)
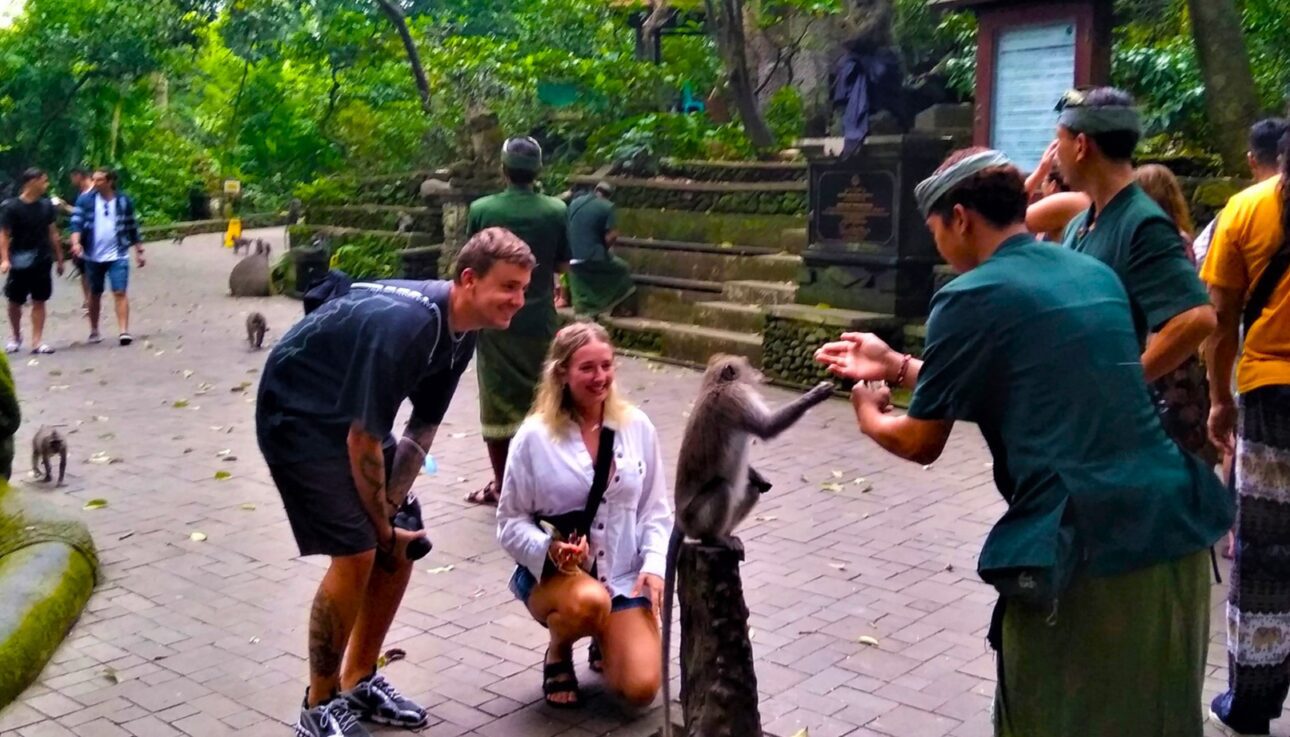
(459, 435)
(867, 640)
(197, 537)
(230, 459)
(767, 518)
(837, 474)
(109, 673)
(803, 732)
(33, 362)
(224, 452)
(440, 569)
(221, 475)
(55, 372)
(835, 488)
(100, 457)
(95, 504)
(838, 566)
(254, 641)
(188, 374)
(126, 534)
(180, 403)
(100, 418)
(249, 507)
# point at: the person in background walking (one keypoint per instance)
(82, 183)
(29, 246)
(1265, 139)
(1246, 272)
(104, 230)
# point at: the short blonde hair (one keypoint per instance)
(554, 403)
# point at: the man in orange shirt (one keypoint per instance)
(1246, 272)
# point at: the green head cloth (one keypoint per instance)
(932, 189)
(522, 154)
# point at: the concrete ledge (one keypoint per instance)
(47, 572)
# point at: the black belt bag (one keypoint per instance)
(579, 521)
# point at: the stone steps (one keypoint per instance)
(731, 316)
(690, 344)
(706, 262)
(775, 232)
(756, 292)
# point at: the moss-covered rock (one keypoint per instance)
(48, 567)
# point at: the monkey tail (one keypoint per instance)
(669, 585)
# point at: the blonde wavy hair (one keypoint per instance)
(554, 403)
(1163, 187)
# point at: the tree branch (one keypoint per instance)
(395, 14)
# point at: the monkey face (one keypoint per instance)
(724, 368)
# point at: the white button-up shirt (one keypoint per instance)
(550, 473)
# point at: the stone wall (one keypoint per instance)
(715, 200)
(167, 231)
(378, 217)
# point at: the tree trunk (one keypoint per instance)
(1229, 84)
(718, 682)
(395, 14)
(728, 26)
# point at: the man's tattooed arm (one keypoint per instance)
(367, 464)
(408, 459)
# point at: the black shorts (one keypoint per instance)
(326, 514)
(35, 282)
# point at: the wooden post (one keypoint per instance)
(718, 683)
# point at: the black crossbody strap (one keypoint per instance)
(600, 478)
(1267, 284)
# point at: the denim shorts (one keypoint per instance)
(117, 272)
(523, 583)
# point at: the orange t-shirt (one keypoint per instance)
(1248, 233)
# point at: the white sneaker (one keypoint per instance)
(95, 337)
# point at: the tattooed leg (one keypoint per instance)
(331, 620)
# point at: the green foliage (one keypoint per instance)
(651, 136)
(367, 257)
(929, 41)
(786, 115)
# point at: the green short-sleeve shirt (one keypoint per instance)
(590, 218)
(539, 221)
(1037, 347)
(1142, 245)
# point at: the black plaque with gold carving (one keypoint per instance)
(855, 207)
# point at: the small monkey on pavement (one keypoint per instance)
(49, 442)
(716, 488)
(256, 327)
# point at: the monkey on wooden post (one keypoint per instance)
(256, 327)
(716, 488)
(49, 442)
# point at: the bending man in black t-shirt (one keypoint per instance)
(29, 244)
(328, 398)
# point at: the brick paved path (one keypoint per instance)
(208, 638)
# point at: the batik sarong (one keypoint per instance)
(598, 286)
(1120, 656)
(509, 368)
(1258, 604)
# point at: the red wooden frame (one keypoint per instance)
(1093, 23)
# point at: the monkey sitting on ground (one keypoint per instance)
(250, 276)
(49, 442)
(716, 488)
(256, 327)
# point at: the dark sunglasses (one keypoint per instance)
(1072, 98)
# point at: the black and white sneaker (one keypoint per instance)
(375, 700)
(331, 719)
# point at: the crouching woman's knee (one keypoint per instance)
(584, 607)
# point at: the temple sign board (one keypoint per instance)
(1028, 53)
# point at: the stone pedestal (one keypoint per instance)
(718, 682)
(869, 248)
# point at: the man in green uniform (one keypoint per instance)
(1100, 559)
(599, 280)
(1126, 230)
(510, 361)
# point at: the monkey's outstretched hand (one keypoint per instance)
(876, 396)
(859, 357)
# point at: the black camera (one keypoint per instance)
(408, 518)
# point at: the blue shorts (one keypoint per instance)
(118, 272)
(523, 583)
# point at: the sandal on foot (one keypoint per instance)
(44, 349)
(13, 346)
(486, 495)
(559, 678)
(126, 339)
(595, 658)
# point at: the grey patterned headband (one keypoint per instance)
(933, 188)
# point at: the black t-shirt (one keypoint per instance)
(28, 225)
(356, 358)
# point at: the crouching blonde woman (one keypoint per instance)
(587, 569)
